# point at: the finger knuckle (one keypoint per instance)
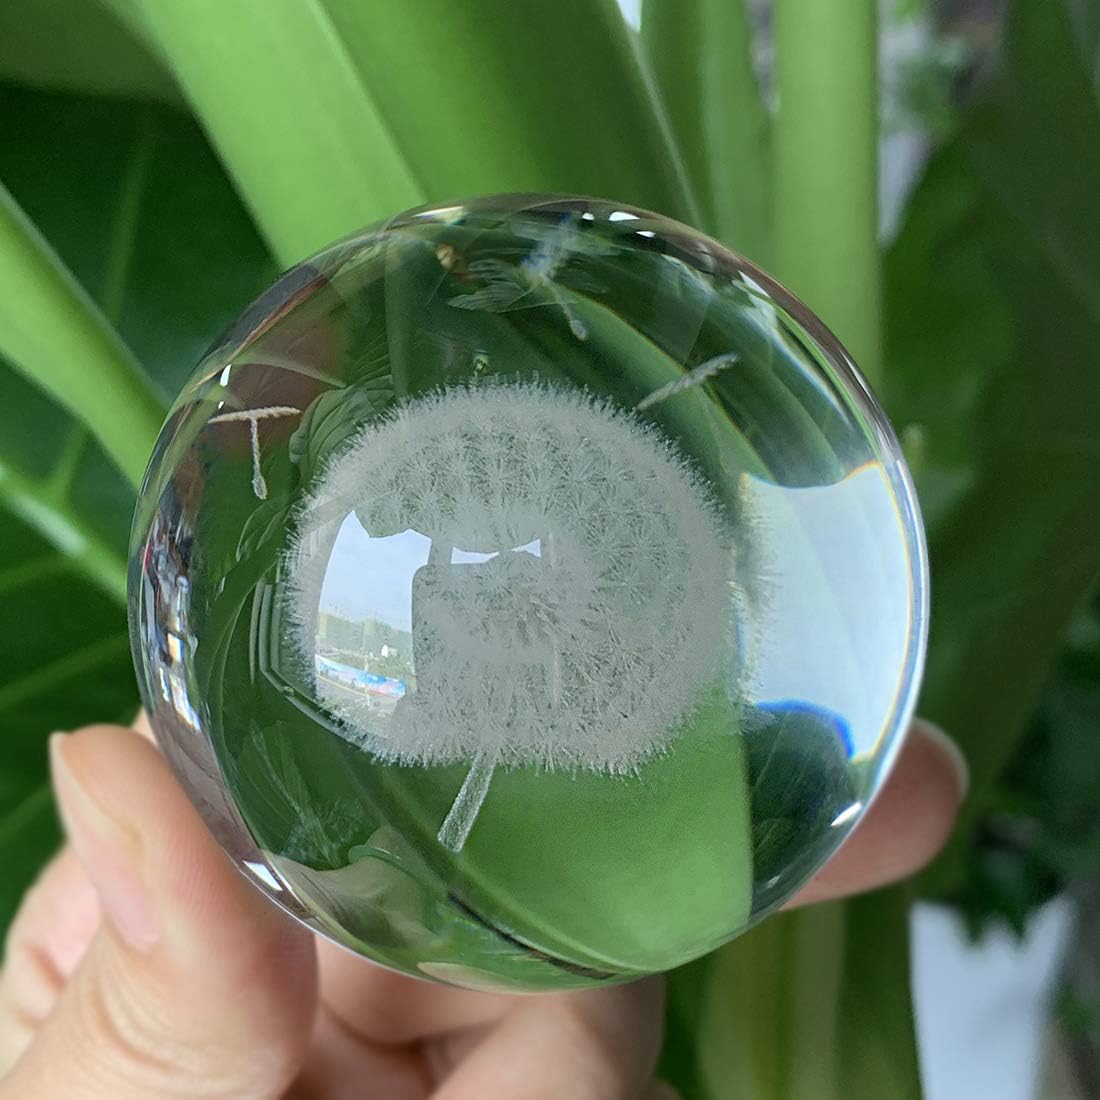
(132, 1036)
(123, 1032)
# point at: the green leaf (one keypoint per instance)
(948, 334)
(1016, 553)
(159, 238)
(290, 113)
(701, 53)
(339, 113)
(877, 1041)
(491, 95)
(764, 1012)
(168, 253)
(58, 336)
(1086, 24)
(140, 242)
(54, 333)
(47, 504)
(825, 167)
(66, 662)
(1040, 836)
(811, 1005)
(77, 46)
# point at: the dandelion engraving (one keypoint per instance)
(253, 417)
(533, 280)
(591, 630)
(694, 377)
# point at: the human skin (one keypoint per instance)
(143, 965)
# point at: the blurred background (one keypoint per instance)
(925, 173)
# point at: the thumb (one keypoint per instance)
(193, 985)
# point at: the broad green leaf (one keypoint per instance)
(825, 167)
(77, 46)
(54, 333)
(339, 113)
(167, 253)
(1014, 555)
(950, 331)
(701, 54)
(291, 113)
(149, 189)
(159, 240)
(493, 95)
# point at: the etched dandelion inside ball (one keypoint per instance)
(580, 621)
(528, 593)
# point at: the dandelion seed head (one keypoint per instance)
(590, 653)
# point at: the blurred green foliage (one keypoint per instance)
(1040, 833)
(138, 208)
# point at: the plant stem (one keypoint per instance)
(877, 1048)
(57, 522)
(815, 979)
(768, 1010)
(52, 331)
(825, 160)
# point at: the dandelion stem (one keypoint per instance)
(259, 486)
(253, 417)
(471, 796)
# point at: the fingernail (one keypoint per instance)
(109, 851)
(951, 750)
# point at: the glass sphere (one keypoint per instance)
(528, 592)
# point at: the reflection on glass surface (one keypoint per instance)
(853, 596)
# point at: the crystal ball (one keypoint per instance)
(528, 592)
